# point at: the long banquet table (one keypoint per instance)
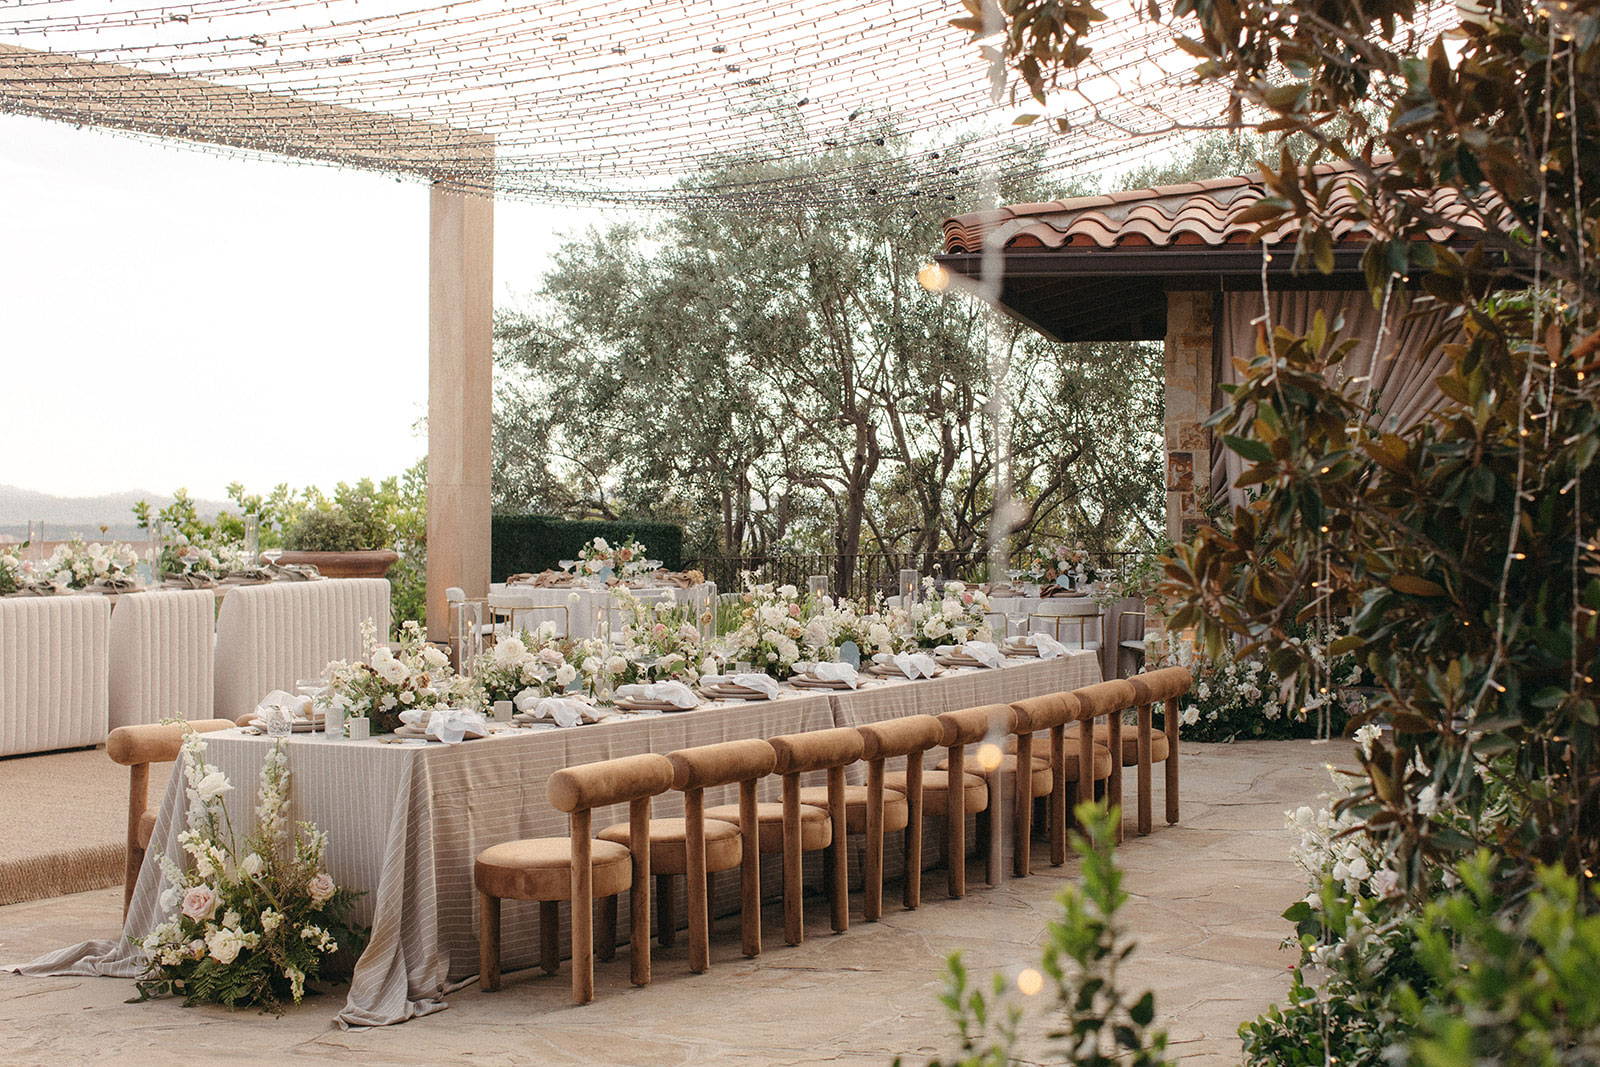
(578, 607)
(404, 821)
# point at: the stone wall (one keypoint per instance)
(1188, 403)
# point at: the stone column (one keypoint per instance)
(460, 394)
(1187, 367)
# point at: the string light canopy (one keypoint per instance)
(612, 102)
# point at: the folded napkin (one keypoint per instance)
(113, 585)
(836, 672)
(563, 711)
(675, 693)
(287, 706)
(1049, 647)
(984, 652)
(293, 572)
(450, 725)
(248, 576)
(188, 581)
(915, 664)
(761, 683)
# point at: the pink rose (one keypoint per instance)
(199, 903)
(625, 554)
(551, 656)
(966, 598)
(661, 629)
(794, 609)
(321, 888)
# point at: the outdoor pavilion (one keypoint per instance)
(1174, 264)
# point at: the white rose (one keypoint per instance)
(224, 945)
(211, 787)
(250, 866)
(270, 920)
(509, 651)
(565, 674)
(434, 657)
(321, 888)
(616, 665)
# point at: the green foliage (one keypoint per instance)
(526, 543)
(1096, 1023)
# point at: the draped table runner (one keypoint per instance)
(548, 603)
(404, 822)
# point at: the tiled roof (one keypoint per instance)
(1194, 213)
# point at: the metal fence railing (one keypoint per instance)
(855, 575)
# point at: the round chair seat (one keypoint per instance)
(146, 830)
(540, 868)
(1130, 743)
(669, 846)
(1102, 754)
(936, 786)
(896, 812)
(815, 829)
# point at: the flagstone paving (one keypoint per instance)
(1206, 900)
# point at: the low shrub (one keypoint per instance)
(531, 543)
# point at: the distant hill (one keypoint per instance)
(67, 515)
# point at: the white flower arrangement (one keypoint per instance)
(78, 565)
(248, 923)
(661, 638)
(12, 572)
(528, 660)
(625, 560)
(184, 557)
(770, 629)
(414, 674)
(863, 622)
(951, 614)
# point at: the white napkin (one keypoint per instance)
(1049, 647)
(291, 704)
(984, 652)
(450, 725)
(836, 672)
(563, 711)
(675, 693)
(762, 683)
(916, 664)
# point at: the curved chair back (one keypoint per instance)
(1104, 698)
(1046, 712)
(1155, 687)
(614, 781)
(1050, 712)
(900, 737)
(1159, 687)
(720, 764)
(817, 751)
(1110, 699)
(971, 725)
(910, 737)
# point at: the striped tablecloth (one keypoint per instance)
(405, 821)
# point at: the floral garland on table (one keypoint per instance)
(949, 615)
(415, 674)
(662, 639)
(1040, 565)
(769, 630)
(78, 565)
(247, 924)
(529, 660)
(601, 667)
(625, 560)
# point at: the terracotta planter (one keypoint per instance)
(365, 564)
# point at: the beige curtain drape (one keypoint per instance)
(1403, 387)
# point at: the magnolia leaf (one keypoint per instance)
(1414, 586)
(1255, 451)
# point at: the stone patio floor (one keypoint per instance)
(1206, 900)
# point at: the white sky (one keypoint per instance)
(172, 318)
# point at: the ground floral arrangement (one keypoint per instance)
(250, 923)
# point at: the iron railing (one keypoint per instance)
(859, 574)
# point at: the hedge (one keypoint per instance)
(531, 543)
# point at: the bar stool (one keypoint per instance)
(909, 737)
(697, 845)
(988, 722)
(788, 829)
(136, 747)
(552, 869)
(1164, 687)
(820, 750)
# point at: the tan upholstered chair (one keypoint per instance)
(988, 723)
(1148, 746)
(820, 750)
(696, 846)
(552, 869)
(936, 802)
(1107, 701)
(1085, 765)
(136, 747)
(880, 741)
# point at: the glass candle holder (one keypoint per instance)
(910, 585)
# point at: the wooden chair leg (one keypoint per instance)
(1058, 796)
(488, 942)
(841, 850)
(1114, 784)
(666, 918)
(1145, 720)
(694, 814)
(1085, 791)
(872, 874)
(992, 832)
(606, 946)
(749, 870)
(794, 919)
(550, 936)
(1172, 759)
(138, 801)
(956, 816)
(639, 894)
(582, 910)
(1022, 783)
(912, 892)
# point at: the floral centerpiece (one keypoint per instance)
(662, 639)
(862, 622)
(414, 674)
(601, 667)
(12, 572)
(769, 631)
(623, 561)
(1061, 561)
(529, 660)
(250, 923)
(951, 614)
(184, 557)
(78, 565)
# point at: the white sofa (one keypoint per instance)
(54, 672)
(162, 656)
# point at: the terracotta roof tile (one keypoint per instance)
(1193, 213)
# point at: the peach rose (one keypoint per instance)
(199, 903)
(321, 888)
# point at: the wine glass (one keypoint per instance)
(272, 555)
(1016, 623)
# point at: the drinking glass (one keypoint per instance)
(252, 538)
(36, 539)
(1017, 621)
(278, 723)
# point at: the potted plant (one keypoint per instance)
(343, 539)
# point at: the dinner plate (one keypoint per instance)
(804, 682)
(299, 726)
(889, 670)
(960, 661)
(649, 705)
(733, 692)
